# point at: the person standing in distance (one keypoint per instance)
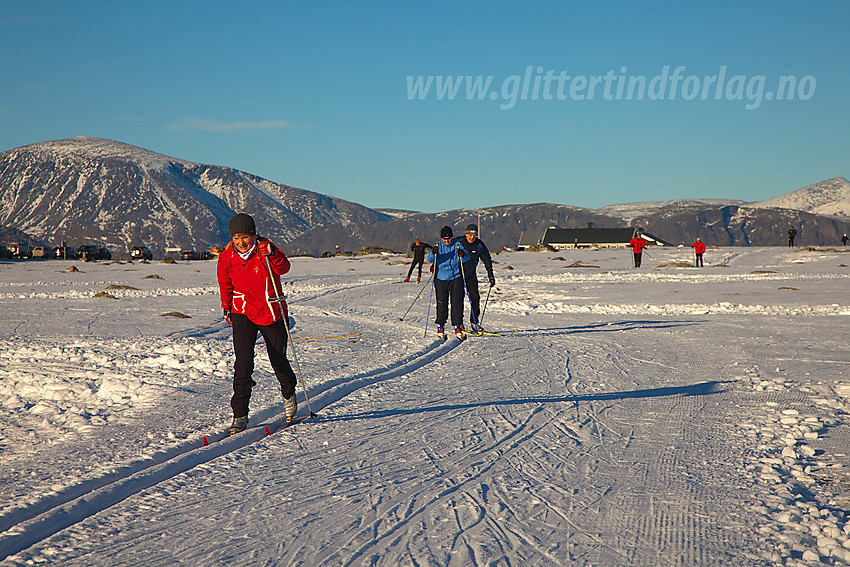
(249, 301)
(448, 283)
(418, 249)
(699, 248)
(638, 244)
(477, 251)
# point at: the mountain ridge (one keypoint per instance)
(119, 195)
(105, 192)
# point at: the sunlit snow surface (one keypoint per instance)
(666, 415)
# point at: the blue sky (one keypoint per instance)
(316, 95)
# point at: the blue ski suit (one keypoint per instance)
(448, 281)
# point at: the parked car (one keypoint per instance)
(189, 255)
(43, 252)
(87, 252)
(5, 253)
(64, 252)
(141, 253)
(104, 254)
(20, 249)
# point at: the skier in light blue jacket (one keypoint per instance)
(448, 282)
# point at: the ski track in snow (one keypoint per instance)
(43, 519)
(590, 440)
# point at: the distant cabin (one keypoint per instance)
(561, 238)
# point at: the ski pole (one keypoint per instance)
(417, 297)
(428, 314)
(483, 311)
(280, 301)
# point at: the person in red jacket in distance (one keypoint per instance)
(699, 248)
(638, 244)
(248, 298)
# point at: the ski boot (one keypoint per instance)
(441, 332)
(238, 426)
(290, 406)
(461, 336)
(406, 280)
(418, 278)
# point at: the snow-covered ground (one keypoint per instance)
(666, 415)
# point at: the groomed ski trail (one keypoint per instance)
(24, 528)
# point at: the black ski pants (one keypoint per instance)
(698, 261)
(474, 295)
(413, 265)
(446, 289)
(244, 337)
(637, 259)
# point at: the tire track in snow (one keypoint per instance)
(25, 528)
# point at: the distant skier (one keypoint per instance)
(844, 240)
(448, 283)
(638, 244)
(477, 250)
(247, 293)
(792, 234)
(699, 248)
(418, 249)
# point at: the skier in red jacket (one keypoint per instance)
(249, 300)
(638, 244)
(699, 248)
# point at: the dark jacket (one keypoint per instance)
(419, 250)
(477, 251)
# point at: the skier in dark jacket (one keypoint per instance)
(477, 251)
(248, 299)
(418, 249)
(447, 257)
(792, 234)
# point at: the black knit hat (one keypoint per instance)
(446, 232)
(241, 224)
(472, 229)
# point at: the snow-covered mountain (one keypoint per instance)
(830, 197)
(96, 191)
(628, 211)
(92, 190)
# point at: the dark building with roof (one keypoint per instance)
(590, 237)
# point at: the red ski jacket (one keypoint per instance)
(699, 247)
(246, 287)
(637, 244)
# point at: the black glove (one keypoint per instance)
(492, 281)
(432, 268)
(227, 316)
(459, 253)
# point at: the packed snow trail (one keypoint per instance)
(62, 510)
(654, 417)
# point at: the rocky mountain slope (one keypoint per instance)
(91, 190)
